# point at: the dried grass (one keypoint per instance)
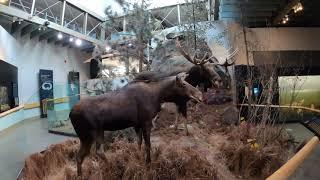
(123, 161)
(253, 152)
(212, 151)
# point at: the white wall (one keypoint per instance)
(280, 39)
(31, 55)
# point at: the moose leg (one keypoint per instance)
(154, 122)
(139, 136)
(146, 137)
(99, 142)
(182, 108)
(176, 123)
(185, 126)
(83, 152)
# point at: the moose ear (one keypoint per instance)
(178, 80)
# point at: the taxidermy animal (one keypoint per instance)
(132, 106)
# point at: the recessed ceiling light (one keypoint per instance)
(60, 36)
(78, 42)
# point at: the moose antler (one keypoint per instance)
(186, 55)
(204, 59)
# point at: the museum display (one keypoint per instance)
(8, 86)
(177, 90)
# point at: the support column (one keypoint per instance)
(124, 25)
(85, 21)
(179, 15)
(32, 7)
(103, 31)
(63, 12)
(209, 9)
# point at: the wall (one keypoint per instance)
(31, 55)
(282, 39)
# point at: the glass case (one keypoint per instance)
(67, 95)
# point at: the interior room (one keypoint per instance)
(181, 89)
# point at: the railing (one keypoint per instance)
(290, 166)
(64, 13)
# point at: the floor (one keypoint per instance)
(32, 136)
(22, 140)
(309, 169)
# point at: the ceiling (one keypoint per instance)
(265, 13)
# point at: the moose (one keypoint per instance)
(202, 72)
(132, 106)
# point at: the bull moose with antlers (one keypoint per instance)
(202, 72)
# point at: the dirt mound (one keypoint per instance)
(122, 161)
(213, 150)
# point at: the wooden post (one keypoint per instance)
(288, 169)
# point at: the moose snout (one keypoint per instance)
(198, 97)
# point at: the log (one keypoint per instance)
(289, 168)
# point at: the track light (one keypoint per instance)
(286, 17)
(60, 36)
(14, 19)
(297, 8)
(78, 42)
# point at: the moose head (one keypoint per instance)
(185, 89)
(204, 69)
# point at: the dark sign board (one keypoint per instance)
(46, 91)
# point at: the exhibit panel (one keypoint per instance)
(46, 90)
(8, 86)
(299, 91)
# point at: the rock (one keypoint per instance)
(230, 115)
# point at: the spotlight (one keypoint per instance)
(60, 36)
(284, 21)
(71, 39)
(39, 28)
(298, 7)
(78, 42)
(286, 17)
(19, 22)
